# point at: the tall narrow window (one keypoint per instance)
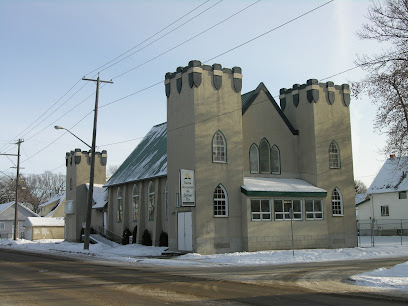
(337, 202)
(220, 202)
(254, 159)
(334, 155)
(275, 160)
(151, 201)
(119, 206)
(166, 203)
(264, 154)
(135, 202)
(219, 148)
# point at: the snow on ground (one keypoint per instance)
(385, 247)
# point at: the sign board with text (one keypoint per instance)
(187, 187)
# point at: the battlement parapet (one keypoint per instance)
(195, 70)
(75, 157)
(313, 89)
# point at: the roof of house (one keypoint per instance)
(360, 198)
(4, 206)
(56, 198)
(148, 159)
(100, 195)
(43, 221)
(392, 176)
(267, 186)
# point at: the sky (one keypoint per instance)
(394, 278)
(48, 46)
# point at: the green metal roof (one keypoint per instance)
(245, 97)
(148, 159)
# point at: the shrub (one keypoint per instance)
(125, 237)
(164, 239)
(146, 238)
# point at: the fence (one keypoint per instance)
(374, 232)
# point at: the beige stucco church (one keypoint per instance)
(228, 170)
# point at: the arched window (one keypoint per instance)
(166, 202)
(119, 206)
(220, 202)
(334, 155)
(219, 148)
(275, 160)
(151, 201)
(264, 154)
(337, 202)
(254, 159)
(135, 202)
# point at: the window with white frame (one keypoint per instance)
(219, 148)
(151, 202)
(385, 211)
(166, 202)
(119, 206)
(264, 156)
(275, 160)
(135, 202)
(260, 210)
(254, 159)
(282, 208)
(402, 195)
(314, 209)
(334, 155)
(220, 202)
(337, 202)
(2, 226)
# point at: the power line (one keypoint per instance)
(147, 39)
(184, 42)
(161, 36)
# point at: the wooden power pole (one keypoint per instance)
(91, 177)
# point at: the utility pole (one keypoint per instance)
(91, 176)
(19, 142)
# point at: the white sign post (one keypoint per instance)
(187, 187)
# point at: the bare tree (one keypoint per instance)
(111, 170)
(386, 81)
(359, 187)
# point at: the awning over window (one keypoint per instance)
(275, 187)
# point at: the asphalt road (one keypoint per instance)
(38, 279)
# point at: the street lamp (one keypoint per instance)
(57, 127)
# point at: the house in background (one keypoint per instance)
(54, 207)
(7, 213)
(227, 171)
(386, 204)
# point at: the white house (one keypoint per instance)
(7, 211)
(386, 204)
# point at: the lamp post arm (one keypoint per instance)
(78, 138)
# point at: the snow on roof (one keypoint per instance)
(100, 195)
(4, 206)
(43, 221)
(359, 198)
(392, 176)
(148, 159)
(279, 185)
(53, 199)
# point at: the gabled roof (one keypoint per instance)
(4, 206)
(361, 198)
(392, 176)
(148, 159)
(248, 98)
(43, 221)
(56, 199)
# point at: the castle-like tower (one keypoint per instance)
(204, 102)
(321, 113)
(78, 164)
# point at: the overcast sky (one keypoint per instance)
(48, 46)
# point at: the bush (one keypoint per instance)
(146, 238)
(134, 234)
(164, 239)
(125, 237)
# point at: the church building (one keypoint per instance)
(228, 172)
